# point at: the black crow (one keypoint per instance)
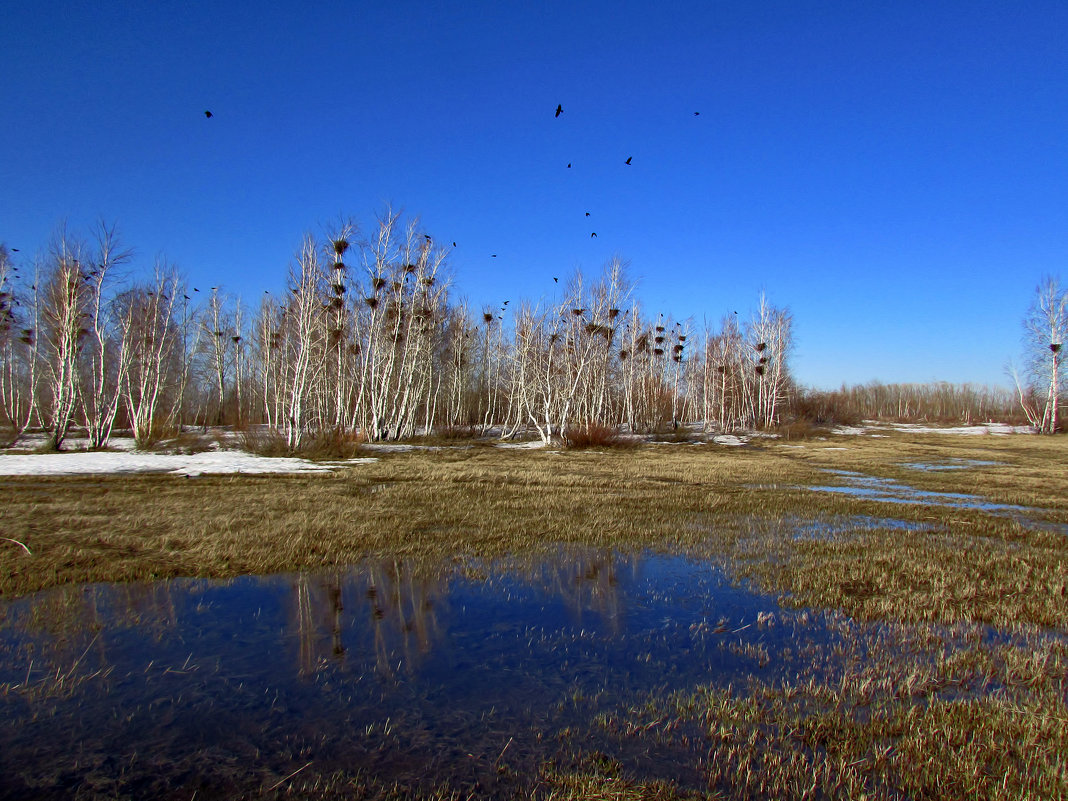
(208, 114)
(628, 159)
(559, 110)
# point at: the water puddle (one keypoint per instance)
(468, 672)
(834, 527)
(887, 490)
(952, 464)
(862, 485)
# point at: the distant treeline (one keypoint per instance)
(365, 342)
(937, 402)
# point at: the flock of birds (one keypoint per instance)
(559, 110)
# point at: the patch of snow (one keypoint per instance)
(728, 439)
(529, 445)
(996, 429)
(848, 431)
(86, 463)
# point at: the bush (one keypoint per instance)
(593, 435)
(818, 408)
(798, 429)
(329, 443)
(263, 441)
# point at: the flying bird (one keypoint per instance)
(569, 165)
(587, 214)
(506, 303)
(208, 114)
(454, 244)
(493, 256)
(628, 159)
(697, 113)
(592, 235)
(16, 250)
(556, 280)
(559, 110)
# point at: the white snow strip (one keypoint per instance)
(515, 446)
(728, 439)
(59, 464)
(996, 429)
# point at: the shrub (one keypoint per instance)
(331, 443)
(263, 441)
(818, 408)
(593, 435)
(799, 428)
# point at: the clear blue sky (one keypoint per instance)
(894, 172)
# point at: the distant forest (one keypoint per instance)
(365, 343)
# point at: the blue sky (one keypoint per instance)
(896, 173)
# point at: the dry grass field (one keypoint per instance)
(957, 688)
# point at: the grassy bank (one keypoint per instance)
(947, 679)
(742, 505)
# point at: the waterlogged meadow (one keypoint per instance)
(852, 617)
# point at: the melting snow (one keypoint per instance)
(83, 463)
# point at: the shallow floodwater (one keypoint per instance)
(470, 673)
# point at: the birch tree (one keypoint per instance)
(64, 310)
(1045, 330)
(301, 342)
(106, 349)
(152, 320)
(217, 332)
(770, 340)
(19, 342)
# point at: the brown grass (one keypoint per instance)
(905, 717)
(738, 505)
(926, 712)
(593, 435)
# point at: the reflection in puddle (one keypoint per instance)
(886, 489)
(397, 670)
(952, 464)
(833, 527)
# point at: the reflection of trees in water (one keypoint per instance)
(588, 582)
(404, 603)
(62, 626)
(392, 601)
(388, 610)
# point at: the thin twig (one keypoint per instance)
(287, 778)
(80, 658)
(21, 545)
(498, 759)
